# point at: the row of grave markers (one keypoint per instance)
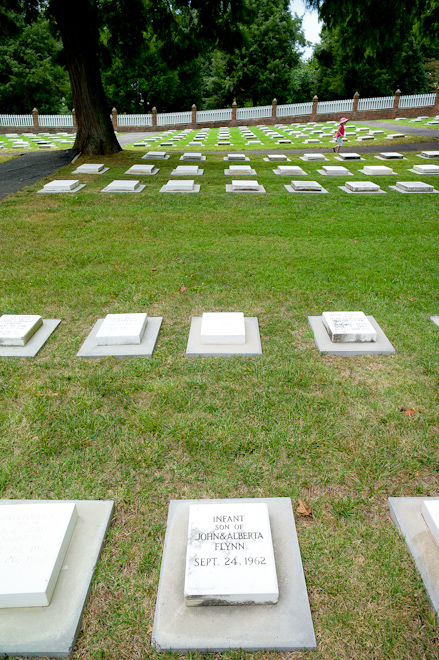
(213, 334)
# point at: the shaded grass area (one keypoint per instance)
(290, 423)
(424, 123)
(4, 158)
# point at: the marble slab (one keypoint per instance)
(429, 154)
(390, 155)
(394, 136)
(121, 329)
(362, 187)
(17, 329)
(91, 168)
(305, 187)
(187, 170)
(156, 155)
(435, 319)
(425, 169)
(62, 186)
(243, 170)
(276, 158)
(222, 328)
(142, 169)
(349, 156)
(33, 542)
(123, 186)
(348, 327)
(34, 344)
(252, 345)
(192, 155)
(334, 170)
(325, 345)
(377, 170)
(430, 513)
(236, 157)
(52, 631)
(238, 186)
(91, 349)
(182, 186)
(413, 187)
(284, 626)
(311, 157)
(291, 170)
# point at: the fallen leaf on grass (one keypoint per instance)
(183, 288)
(155, 268)
(149, 631)
(408, 412)
(303, 508)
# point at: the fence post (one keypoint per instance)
(194, 115)
(74, 117)
(114, 118)
(274, 109)
(355, 104)
(315, 102)
(154, 116)
(234, 107)
(396, 102)
(35, 118)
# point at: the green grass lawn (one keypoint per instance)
(424, 123)
(290, 423)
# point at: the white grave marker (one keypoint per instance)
(141, 169)
(240, 169)
(312, 186)
(414, 187)
(430, 513)
(33, 542)
(122, 186)
(230, 559)
(377, 170)
(222, 328)
(17, 329)
(426, 169)
(348, 327)
(90, 168)
(186, 185)
(362, 186)
(245, 185)
(121, 329)
(67, 185)
(186, 170)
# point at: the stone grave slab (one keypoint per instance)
(123, 186)
(377, 170)
(244, 186)
(252, 345)
(308, 157)
(284, 141)
(239, 170)
(276, 158)
(156, 155)
(192, 155)
(121, 329)
(91, 349)
(91, 168)
(324, 344)
(348, 327)
(182, 186)
(284, 626)
(291, 170)
(236, 157)
(334, 170)
(62, 186)
(435, 319)
(51, 631)
(35, 341)
(407, 514)
(222, 328)
(17, 329)
(229, 557)
(311, 141)
(413, 187)
(187, 170)
(425, 169)
(364, 138)
(305, 187)
(395, 136)
(34, 541)
(429, 154)
(142, 169)
(349, 156)
(390, 155)
(362, 187)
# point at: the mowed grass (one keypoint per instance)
(290, 423)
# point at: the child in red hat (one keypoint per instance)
(339, 134)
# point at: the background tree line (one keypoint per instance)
(149, 56)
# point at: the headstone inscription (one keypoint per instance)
(348, 327)
(121, 329)
(33, 542)
(230, 558)
(17, 329)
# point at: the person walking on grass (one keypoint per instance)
(339, 135)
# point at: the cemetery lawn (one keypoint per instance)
(4, 158)
(341, 434)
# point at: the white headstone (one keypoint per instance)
(240, 169)
(155, 154)
(377, 170)
(314, 156)
(121, 329)
(276, 157)
(192, 155)
(90, 168)
(362, 186)
(17, 329)
(245, 185)
(33, 543)
(391, 154)
(430, 154)
(140, 169)
(222, 328)
(414, 186)
(430, 513)
(426, 169)
(120, 185)
(236, 156)
(394, 136)
(335, 170)
(350, 156)
(291, 169)
(230, 559)
(348, 327)
(306, 185)
(61, 185)
(186, 170)
(180, 186)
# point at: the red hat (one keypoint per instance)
(343, 119)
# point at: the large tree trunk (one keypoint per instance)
(77, 24)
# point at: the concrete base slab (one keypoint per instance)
(406, 514)
(193, 160)
(154, 171)
(146, 157)
(411, 192)
(435, 319)
(267, 160)
(236, 160)
(386, 159)
(35, 342)
(285, 626)
(313, 192)
(323, 173)
(229, 189)
(52, 631)
(196, 189)
(123, 192)
(423, 173)
(363, 192)
(90, 348)
(175, 173)
(62, 192)
(252, 344)
(381, 346)
(311, 160)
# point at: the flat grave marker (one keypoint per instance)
(187, 170)
(334, 170)
(122, 186)
(121, 329)
(91, 168)
(361, 187)
(377, 170)
(425, 169)
(413, 187)
(142, 169)
(62, 186)
(17, 329)
(182, 186)
(305, 187)
(222, 328)
(292, 170)
(349, 333)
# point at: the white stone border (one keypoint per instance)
(252, 344)
(91, 349)
(381, 346)
(35, 343)
(154, 171)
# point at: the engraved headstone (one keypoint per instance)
(141, 169)
(389, 155)
(222, 328)
(430, 154)
(33, 542)
(240, 169)
(335, 170)
(17, 329)
(230, 559)
(186, 185)
(348, 327)
(121, 329)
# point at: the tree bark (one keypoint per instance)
(77, 24)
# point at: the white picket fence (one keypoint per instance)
(293, 109)
(134, 120)
(345, 105)
(174, 118)
(55, 120)
(224, 114)
(376, 103)
(254, 113)
(16, 120)
(417, 100)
